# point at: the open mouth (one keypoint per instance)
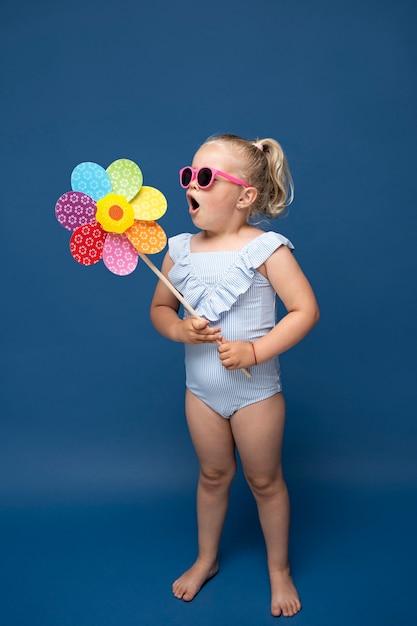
(193, 203)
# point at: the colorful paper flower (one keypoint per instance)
(112, 215)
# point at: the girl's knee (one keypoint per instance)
(217, 478)
(266, 486)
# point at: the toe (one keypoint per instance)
(291, 609)
(177, 590)
(187, 597)
(276, 610)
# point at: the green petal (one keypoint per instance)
(126, 178)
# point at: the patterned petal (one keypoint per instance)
(147, 237)
(126, 178)
(75, 209)
(149, 204)
(86, 243)
(118, 255)
(91, 179)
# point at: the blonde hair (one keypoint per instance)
(265, 167)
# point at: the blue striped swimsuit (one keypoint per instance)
(226, 288)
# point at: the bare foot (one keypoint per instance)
(189, 584)
(285, 600)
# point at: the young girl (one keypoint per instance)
(230, 273)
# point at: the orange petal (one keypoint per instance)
(147, 237)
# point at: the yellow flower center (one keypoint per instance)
(114, 213)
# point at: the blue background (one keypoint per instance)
(97, 470)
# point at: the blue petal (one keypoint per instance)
(92, 179)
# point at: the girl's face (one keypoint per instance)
(214, 209)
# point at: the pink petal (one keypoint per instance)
(119, 256)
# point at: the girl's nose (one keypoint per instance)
(193, 183)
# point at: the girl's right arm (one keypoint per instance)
(164, 315)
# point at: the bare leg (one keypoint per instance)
(213, 441)
(258, 431)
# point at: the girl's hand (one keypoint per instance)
(197, 330)
(236, 354)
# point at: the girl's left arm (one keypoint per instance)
(294, 290)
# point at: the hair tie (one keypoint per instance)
(254, 353)
(258, 145)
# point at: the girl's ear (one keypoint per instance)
(247, 197)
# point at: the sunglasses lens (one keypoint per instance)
(204, 177)
(186, 176)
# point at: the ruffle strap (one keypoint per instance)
(211, 301)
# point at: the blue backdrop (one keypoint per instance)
(97, 471)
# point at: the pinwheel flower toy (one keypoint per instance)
(112, 217)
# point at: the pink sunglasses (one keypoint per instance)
(204, 176)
